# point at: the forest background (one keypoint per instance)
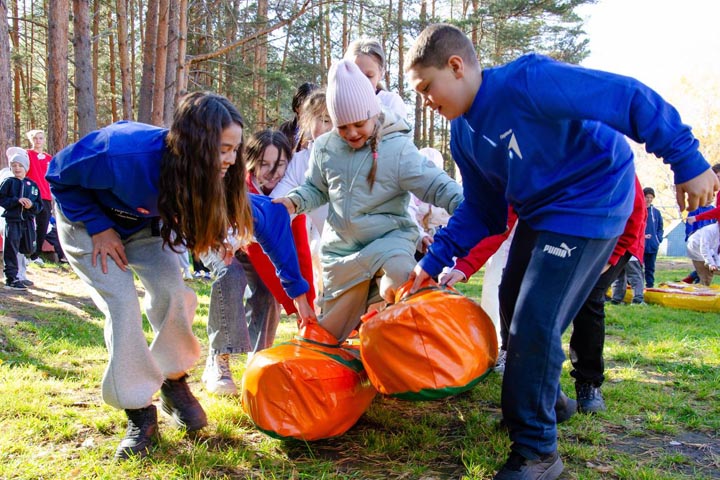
(71, 66)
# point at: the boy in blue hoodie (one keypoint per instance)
(546, 138)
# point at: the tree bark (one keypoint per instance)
(84, 98)
(181, 74)
(17, 73)
(113, 75)
(158, 102)
(172, 63)
(58, 26)
(7, 129)
(148, 68)
(124, 56)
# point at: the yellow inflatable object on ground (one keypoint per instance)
(308, 388)
(682, 295)
(429, 345)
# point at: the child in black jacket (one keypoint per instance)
(20, 197)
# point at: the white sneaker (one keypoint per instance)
(187, 275)
(217, 376)
(500, 363)
(38, 261)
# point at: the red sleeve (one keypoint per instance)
(633, 238)
(266, 270)
(486, 248)
(713, 214)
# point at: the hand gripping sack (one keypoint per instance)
(308, 388)
(429, 345)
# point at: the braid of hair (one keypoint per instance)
(374, 141)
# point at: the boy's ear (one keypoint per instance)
(457, 66)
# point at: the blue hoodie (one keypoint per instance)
(109, 179)
(547, 138)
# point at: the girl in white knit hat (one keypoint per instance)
(363, 169)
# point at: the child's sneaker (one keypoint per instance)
(38, 261)
(15, 285)
(27, 283)
(500, 363)
(187, 275)
(217, 376)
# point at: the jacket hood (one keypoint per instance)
(392, 123)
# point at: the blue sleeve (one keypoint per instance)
(483, 212)
(563, 91)
(7, 199)
(272, 231)
(74, 173)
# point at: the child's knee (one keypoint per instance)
(395, 272)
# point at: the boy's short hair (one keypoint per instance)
(648, 191)
(716, 168)
(436, 44)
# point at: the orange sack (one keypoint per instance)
(308, 388)
(429, 345)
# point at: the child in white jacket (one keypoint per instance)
(702, 248)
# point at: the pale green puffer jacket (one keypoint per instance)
(364, 228)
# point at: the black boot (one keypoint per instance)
(141, 434)
(178, 401)
(565, 407)
(589, 398)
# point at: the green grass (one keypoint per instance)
(662, 390)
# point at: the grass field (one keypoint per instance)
(662, 392)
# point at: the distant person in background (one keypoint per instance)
(703, 249)
(631, 274)
(369, 56)
(653, 237)
(295, 135)
(20, 197)
(39, 161)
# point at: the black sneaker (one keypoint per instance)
(27, 283)
(517, 467)
(15, 285)
(178, 401)
(565, 407)
(141, 434)
(589, 398)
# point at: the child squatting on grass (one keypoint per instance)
(547, 138)
(113, 187)
(364, 169)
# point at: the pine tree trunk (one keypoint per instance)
(158, 102)
(123, 54)
(148, 67)
(57, 66)
(84, 98)
(181, 76)
(7, 129)
(113, 75)
(172, 63)
(17, 73)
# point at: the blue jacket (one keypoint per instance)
(547, 138)
(13, 189)
(654, 228)
(109, 179)
(690, 229)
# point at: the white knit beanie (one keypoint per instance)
(18, 155)
(350, 95)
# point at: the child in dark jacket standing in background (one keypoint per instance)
(20, 197)
(547, 138)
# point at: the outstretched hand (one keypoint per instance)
(287, 202)
(108, 243)
(699, 190)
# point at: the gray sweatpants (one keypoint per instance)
(137, 370)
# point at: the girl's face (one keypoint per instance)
(370, 67)
(38, 142)
(321, 124)
(271, 169)
(230, 143)
(357, 134)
